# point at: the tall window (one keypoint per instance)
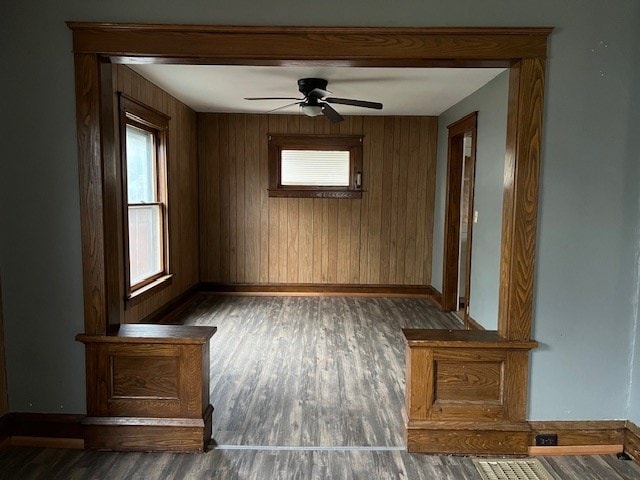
(143, 137)
(315, 166)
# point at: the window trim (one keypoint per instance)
(350, 143)
(146, 118)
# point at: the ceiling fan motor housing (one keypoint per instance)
(307, 85)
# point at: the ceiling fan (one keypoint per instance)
(316, 100)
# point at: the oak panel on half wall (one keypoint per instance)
(383, 238)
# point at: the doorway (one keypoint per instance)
(459, 216)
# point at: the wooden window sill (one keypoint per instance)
(149, 290)
(309, 193)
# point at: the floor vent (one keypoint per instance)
(502, 469)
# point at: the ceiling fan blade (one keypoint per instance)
(355, 103)
(329, 112)
(319, 93)
(284, 106)
(273, 98)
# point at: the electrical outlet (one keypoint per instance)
(547, 440)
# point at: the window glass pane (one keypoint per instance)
(141, 184)
(145, 242)
(315, 168)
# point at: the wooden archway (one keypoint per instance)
(523, 50)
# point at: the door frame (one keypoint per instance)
(452, 224)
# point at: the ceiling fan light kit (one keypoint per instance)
(316, 100)
(311, 110)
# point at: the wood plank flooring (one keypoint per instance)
(303, 388)
(21, 463)
(310, 371)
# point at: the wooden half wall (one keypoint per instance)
(385, 238)
(182, 180)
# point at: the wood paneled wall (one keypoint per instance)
(183, 188)
(383, 239)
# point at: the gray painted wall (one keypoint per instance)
(588, 212)
(634, 392)
(490, 102)
(634, 175)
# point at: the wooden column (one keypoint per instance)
(150, 389)
(520, 205)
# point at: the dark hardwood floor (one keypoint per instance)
(309, 371)
(21, 463)
(303, 388)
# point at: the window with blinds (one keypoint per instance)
(315, 166)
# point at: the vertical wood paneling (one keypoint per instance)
(404, 166)
(233, 203)
(383, 238)
(183, 182)
(377, 135)
(412, 200)
(430, 193)
(355, 213)
(241, 219)
(252, 197)
(264, 199)
(395, 194)
(222, 146)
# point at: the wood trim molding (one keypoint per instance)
(593, 437)
(575, 450)
(473, 324)
(47, 430)
(520, 204)
(5, 430)
(357, 46)
(632, 441)
(345, 143)
(522, 50)
(572, 433)
(452, 226)
(436, 298)
(168, 311)
(306, 289)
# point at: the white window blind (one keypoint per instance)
(317, 168)
(145, 242)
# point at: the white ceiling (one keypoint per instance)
(402, 91)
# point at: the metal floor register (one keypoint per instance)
(503, 469)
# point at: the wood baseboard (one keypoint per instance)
(47, 442)
(436, 298)
(5, 430)
(149, 434)
(599, 437)
(580, 433)
(473, 324)
(170, 310)
(318, 290)
(575, 450)
(632, 441)
(50, 430)
(470, 438)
